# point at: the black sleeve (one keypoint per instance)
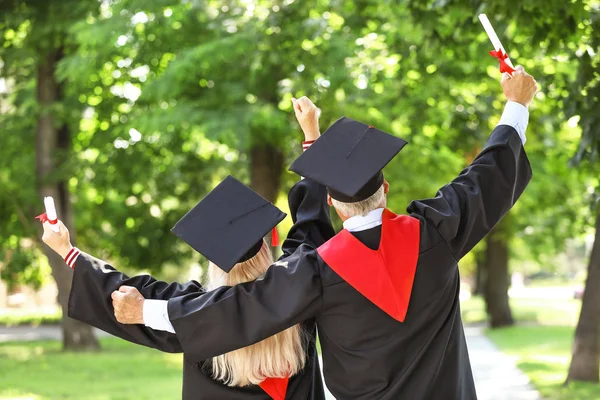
(310, 213)
(465, 210)
(229, 318)
(93, 282)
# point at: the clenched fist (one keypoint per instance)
(128, 304)
(520, 88)
(307, 115)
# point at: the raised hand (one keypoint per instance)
(520, 88)
(307, 115)
(59, 241)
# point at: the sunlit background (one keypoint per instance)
(128, 111)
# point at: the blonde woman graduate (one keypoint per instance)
(228, 227)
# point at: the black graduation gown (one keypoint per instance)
(94, 280)
(367, 354)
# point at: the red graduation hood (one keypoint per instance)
(384, 276)
(275, 387)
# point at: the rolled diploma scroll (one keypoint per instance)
(493, 37)
(51, 212)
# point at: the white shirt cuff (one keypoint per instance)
(517, 116)
(156, 315)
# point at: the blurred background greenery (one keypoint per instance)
(128, 111)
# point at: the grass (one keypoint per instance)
(556, 281)
(527, 311)
(540, 343)
(40, 371)
(540, 346)
(543, 353)
(20, 317)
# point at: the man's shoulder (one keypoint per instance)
(429, 236)
(304, 254)
(309, 256)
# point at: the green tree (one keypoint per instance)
(545, 49)
(127, 192)
(583, 103)
(35, 42)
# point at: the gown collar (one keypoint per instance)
(384, 276)
(364, 222)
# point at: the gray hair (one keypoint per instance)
(362, 208)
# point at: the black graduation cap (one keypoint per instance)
(228, 225)
(348, 159)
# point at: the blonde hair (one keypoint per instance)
(362, 208)
(278, 356)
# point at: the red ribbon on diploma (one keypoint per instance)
(44, 218)
(501, 56)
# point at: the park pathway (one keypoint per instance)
(496, 376)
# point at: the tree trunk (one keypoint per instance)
(266, 164)
(52, 143)
(497, 282)
(480, 273)
(585, 360)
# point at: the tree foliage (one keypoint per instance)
(166, 97)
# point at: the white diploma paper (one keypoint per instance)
(493, 37)
(51, 211)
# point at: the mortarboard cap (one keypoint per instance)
(348, 159)
(228, 225)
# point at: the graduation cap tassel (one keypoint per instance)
(274, 237)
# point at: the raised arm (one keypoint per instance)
(308, 199)
(466, 209)
(95, 280)
(310, 212)
(95, 286)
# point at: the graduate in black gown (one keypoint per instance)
(227, 226)
(385, 290)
